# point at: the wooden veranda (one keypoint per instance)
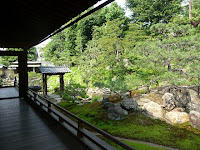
(37, 123)
(22, 127)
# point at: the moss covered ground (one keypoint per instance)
(138, 127)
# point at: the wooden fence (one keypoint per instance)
(76, 125)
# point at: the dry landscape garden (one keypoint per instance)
(136, 77)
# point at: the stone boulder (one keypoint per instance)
(129, 104)
(117, 104)
(182, 97)
(195, 107)
(107, 105)
(194, 97)
(105, 100)
(194, 118)
(167, 96)
(176, 117)
(116, 113)
(153, 110)
(177, 97)
(125, 95)
(169, 101)
(141, 103)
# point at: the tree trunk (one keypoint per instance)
(169, 67)
(190, 9)
(198, 90)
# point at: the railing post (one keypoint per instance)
(61, 120)
(80, 127)
(49, 107)
(15, 82)
(35, 96)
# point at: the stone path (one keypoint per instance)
(147, 143)
(142, 142)
(54, 98)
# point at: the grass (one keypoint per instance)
(138, 127)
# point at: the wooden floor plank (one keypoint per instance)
(9, 92)
(22, 127)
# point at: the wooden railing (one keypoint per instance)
(76, 125)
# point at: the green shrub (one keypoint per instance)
(143, 91)
(56, 89)
(95, 98)
(34, 78)
(53, 82)
(73, 92)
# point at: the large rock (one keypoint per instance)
(194, 118)
(182, 97)
(144, 100)
(154, 110)
(117, 104)
(169, 101)
(116, 113)
(177, 97)
(167, 96)
(194, 97)
(176, 117)
(141, 103)
(129, 104)
(195, 107)
(107, 105)
(105, 100)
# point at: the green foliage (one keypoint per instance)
(32, 53)
(34, 79)
(6, 60)
(72, 42)
(108, 50)
(195, 10)
(152, 12)
(53, 82)
(95, 98)
(73, 92)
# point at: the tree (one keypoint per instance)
(32, 55)
(135, 34)
(194, 12)
(111, 51)
(153, 11)
(55, 49)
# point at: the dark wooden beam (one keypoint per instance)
(44, 78)
(23, 74)
(61, 82)
(11, 53)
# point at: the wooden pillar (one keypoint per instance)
(23, 74)
(33, 69)
(61, 82)
(44, 78)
